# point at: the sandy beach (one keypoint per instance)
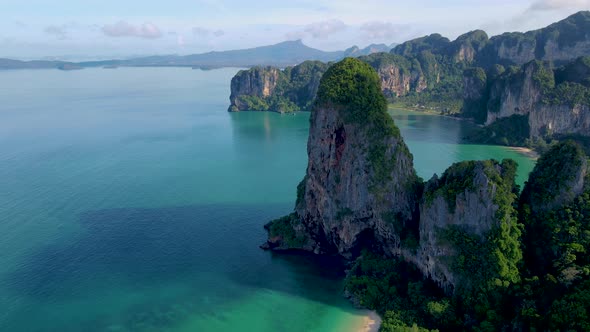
(525, 151)
(371, 322)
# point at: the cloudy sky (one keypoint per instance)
(80, 29)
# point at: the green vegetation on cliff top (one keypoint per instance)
(283, 229)
(353, 88)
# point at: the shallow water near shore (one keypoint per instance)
(130, 200)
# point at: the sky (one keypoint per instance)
(99, 29)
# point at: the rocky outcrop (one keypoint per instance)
(355, 51)
(467, 46)
(257, 82)
(515, 93)
(465, 198)
(552, 107)
(431, 63)
(398, 75)
(361, 190)
(559, 42)
(434, 43)
(558, 120)
(394, 82)
(548, 189)
(360, 177)
(271, 89)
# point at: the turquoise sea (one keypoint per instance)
(130, 200)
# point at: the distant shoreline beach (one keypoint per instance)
(371, 322)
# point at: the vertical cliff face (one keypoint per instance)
(516, 92)
(471, 199)
(400, 76)
(272, 89)
(295, 88)
(558, 43)
(361, 191)
(548, 120)
(467, 47)
(513, 48)
(551, 107)
(257, 82)
(360, 178)
(393, 81)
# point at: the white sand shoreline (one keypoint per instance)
(370, 323)
(525, 151)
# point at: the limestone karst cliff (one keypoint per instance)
(360, 178)
(271, 89)
(361, 191)
(463, 251)
(494, 81)
(360, 174)
(474, 200)
(263, 89)
(535, 101)
(258, 82)
(559, 42)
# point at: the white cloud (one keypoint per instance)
(536, 15)
(382, 30)
(543, 5)
(203, 32)
(324, 29)
(124, 29)
(318, 30)
(295, 35)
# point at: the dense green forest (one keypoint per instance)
(531, 274)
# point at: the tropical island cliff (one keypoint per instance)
(464, 251)
(524, 89)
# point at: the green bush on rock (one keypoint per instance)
(283, 229)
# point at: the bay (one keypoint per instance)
(130, 200)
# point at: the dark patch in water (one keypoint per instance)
(146, 248)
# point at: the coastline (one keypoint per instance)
(525, 151)
(371, 322)
(425, 112)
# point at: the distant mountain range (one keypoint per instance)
(280, 55)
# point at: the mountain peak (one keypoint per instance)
(295, 42)
(582, 13)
